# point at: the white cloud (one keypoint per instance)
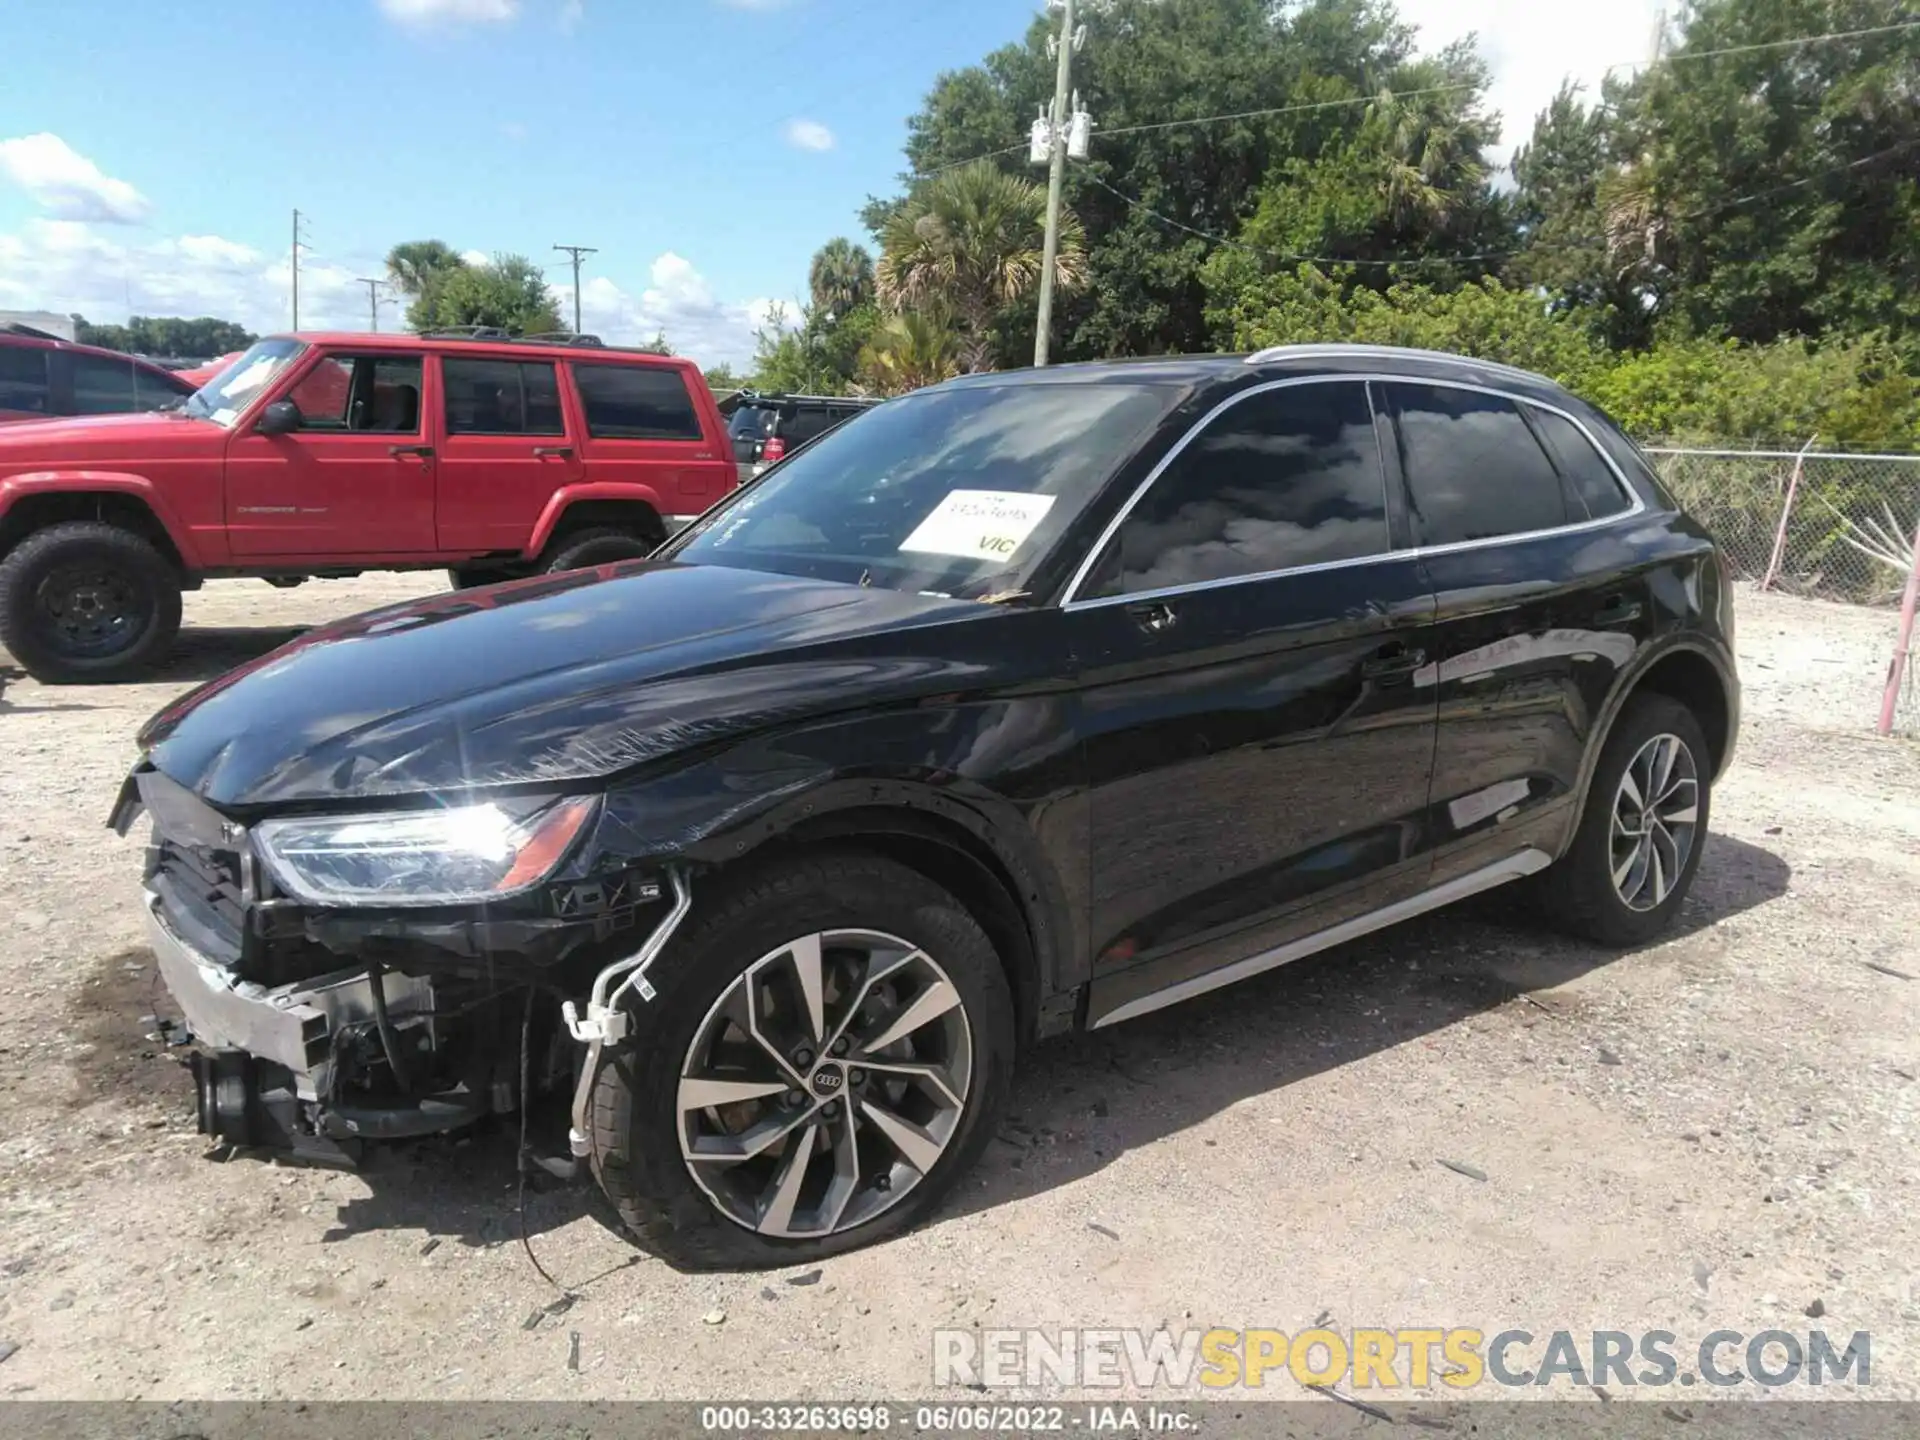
(677, 300)
(808, 135)
(67, 267)
(572, 12)
(1531, 47)
(450, 12)
(67, 184)
(476, 257)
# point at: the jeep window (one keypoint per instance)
(102, 386)
(1285, 478)
(502, 397)
(1594, 483)
(636, 402)
(223, 397)
(23, 379)
(807, 422)
(897, 499)
(365, 394)
(1474, 470)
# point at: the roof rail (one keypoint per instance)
(466, 332)
(563, 337)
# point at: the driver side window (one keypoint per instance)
(360, 394)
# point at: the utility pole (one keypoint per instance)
(576, 251)
(297, 244)
(1057, 121)
(373, 299)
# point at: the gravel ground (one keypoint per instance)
(1715, 1132)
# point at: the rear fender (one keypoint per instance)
(568, 496)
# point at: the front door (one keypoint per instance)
(504, 450)
(1511, 504)
(355, 477)
(1258, 753)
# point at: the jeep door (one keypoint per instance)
(1258, 753)
(355, 477)
(504, 449)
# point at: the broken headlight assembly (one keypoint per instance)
(456, 855)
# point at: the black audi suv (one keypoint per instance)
(1024, 703)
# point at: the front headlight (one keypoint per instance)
(455, 856)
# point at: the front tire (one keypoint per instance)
(85, 602)
(829, 1052)
(1642, 832)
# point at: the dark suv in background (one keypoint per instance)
(765, 428)
(42, 375)
(1031, 702)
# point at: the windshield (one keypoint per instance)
(957, 492)
(223, 397)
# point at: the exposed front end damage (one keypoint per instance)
(316, 1029)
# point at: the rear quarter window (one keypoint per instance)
(636, 402)
(23, 379)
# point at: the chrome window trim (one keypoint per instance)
(1069, 601)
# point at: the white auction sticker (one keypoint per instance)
(979, 524)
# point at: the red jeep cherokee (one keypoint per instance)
(327, 455)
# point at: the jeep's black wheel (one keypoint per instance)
(585, 548)
(829, 1052)
(86, 601)
(1641, 835)
(473, 578)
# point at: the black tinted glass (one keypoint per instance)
(102, 386)
(807, 422)
(636, 402)
(502, 397)
(1590, 477)
(23, 379)
(1285, 478)
(1474, 470)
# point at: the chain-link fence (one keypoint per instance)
(1847, 536)
(1824, 524)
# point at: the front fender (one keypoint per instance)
(15, 488)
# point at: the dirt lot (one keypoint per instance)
(1717, 1132)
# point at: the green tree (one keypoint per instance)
(908, 350)
(819, 356)
(508, 292)
(970, 240)
(415, 264)
(841, 276)
(724, 379)
(167, 336)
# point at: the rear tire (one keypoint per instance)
(473, 579)
(85, 602)
(640, 1121)
(587, 548)
(1619, 883)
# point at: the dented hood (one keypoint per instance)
(558, 679)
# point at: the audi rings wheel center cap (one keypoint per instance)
(828, 1081)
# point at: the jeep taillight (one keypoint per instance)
(774, 449)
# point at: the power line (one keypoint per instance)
(1292, 109)
(1794, 43)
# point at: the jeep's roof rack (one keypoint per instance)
(563, 337)
(494, 334)
(466, 332)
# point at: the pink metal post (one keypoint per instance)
(1786, 512)
(1903, 643)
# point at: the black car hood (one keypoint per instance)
(555, 679)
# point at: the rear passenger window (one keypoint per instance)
(1473, 469)
(23, 379)
(807, 422)
(1285, 478)
(636, 402)
(1589, 475)
(502, 397)
(102, 386)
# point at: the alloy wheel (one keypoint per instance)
(1655, 814)
(825, 1083)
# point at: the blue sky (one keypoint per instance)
(151, 153)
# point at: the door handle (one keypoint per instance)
(1393, 660)
(1155, 617)
(563, 452)
(425, 452)
(1617, 610)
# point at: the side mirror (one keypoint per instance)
(278, 418)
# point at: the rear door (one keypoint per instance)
(1537, 609)
(641, 429)
(1258, 753)
(356, 477)
(504, 449)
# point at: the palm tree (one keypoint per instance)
(910, 349)
(1429, 158)
(415, 264)
(971, 239)
(841, 276)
